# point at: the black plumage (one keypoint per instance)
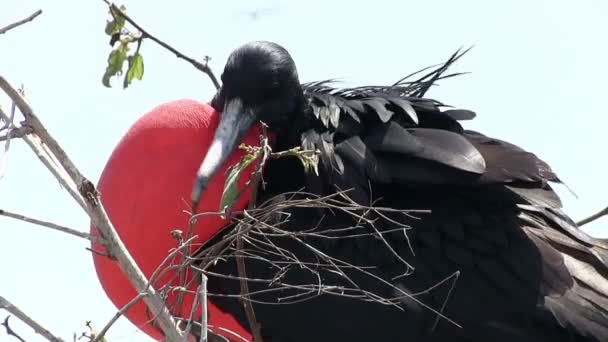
(496, 259)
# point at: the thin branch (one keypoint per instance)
(39, 129)
(117, 315)
(39, 329)
(51, 163)
(99, 217)
(204, 67)
(20, 22)
(593, 217)
(246, 300)
(16, 133)
(10, 331)
(203, 299)
(10, 125)
(53, 226)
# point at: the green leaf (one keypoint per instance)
(116, 60)
(136, 69)
(231, 191)
(117, 23)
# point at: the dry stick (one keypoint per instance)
(99, 217)
(51, 164)
(16, 133)
(593, 217)
(20, 22)
(53, 226)
(240, 264)
(204, 67)
(117, 315)
(10, 307)
(203, 299)
(10, 331)
(156, 274)
(10, 125)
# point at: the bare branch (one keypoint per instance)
(117, 315)
(39, 329)
(53, 226)
(99, 217)
(20, 22)
(253, 323)
(204, 67)
(203, 299)
(257, 229)
(48, 160)
(10, 126)
(10, 331)
(593, 217)
(16, 133)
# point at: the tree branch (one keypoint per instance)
(593, 217)
(20, 22)
(245, 299)
(53, 226)
(204, 67)
(117, 315)
(203, 299)
(16, 133)
(51, 163)
(10, 331)
(99, 218)
(8, 306)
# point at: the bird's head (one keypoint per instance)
(259, 82)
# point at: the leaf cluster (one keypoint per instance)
(115, 28)
(231, 192)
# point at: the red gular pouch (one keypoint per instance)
(146, 188)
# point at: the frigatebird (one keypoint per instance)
(494, 259)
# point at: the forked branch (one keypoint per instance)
(38, 328)
(204, 67)
(88, 197)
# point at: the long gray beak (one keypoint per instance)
(234, 123)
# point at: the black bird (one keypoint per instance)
(495, 259)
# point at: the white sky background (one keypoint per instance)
(538, 80)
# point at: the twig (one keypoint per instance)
(20, 22)
(39, 329)
(99, 217)
(53, 226)
(16, 133)
(10, 331)
(117, 315)
(262, 223)
(246, 300)
(242, 272)
(593, 217)
(203, 299)
(51, 163)
(10, 125)
(204, 67)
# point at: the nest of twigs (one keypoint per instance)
(297, 263)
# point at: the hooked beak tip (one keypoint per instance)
(199, 187)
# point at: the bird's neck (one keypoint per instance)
(294, 121)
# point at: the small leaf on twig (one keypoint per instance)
(116, 59)
(115, 25)
(136, 69)
(231, 191)
(309, 159)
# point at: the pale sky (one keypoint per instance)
(538, 80)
